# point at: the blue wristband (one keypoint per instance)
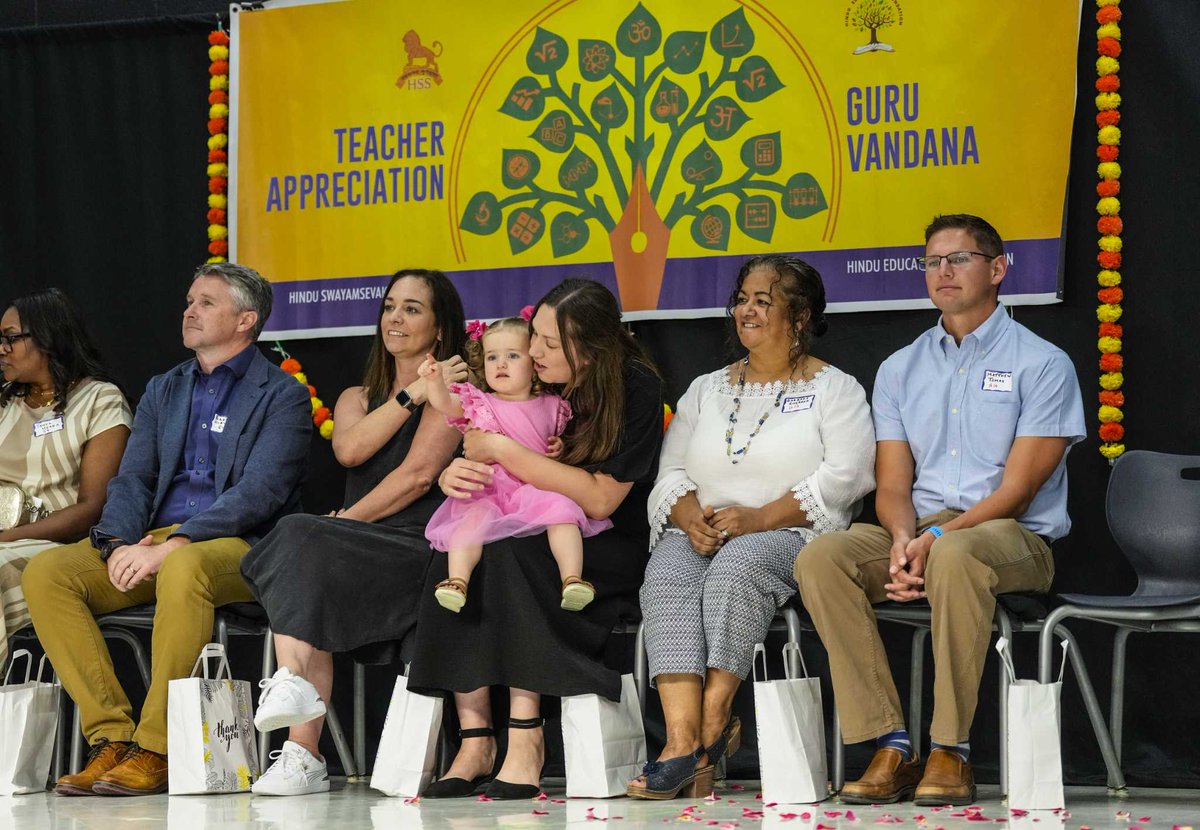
(936, 531)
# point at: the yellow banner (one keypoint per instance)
(648, 145)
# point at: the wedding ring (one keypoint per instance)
(724, 534)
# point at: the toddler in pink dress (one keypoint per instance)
(508, 507)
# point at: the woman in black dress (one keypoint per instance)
(351, 581)
(513, 632)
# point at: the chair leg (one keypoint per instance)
(839, 752)
(76, 739)
(339, 742)
(222, 630)
(268, 669)
(1005, 627)
(917, 687)
(1116, 710)
(792, 620)
(1116, 779)
(360, 718)
(641, 667)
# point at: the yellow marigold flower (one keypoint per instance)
(303, 378)
(218, 53)
(220, 141)
(1104, 66)
(1112, 380)
(1108, 2)
(218, 232)
(218, 82)
(1109, 206)
(317, 403)
(1109, 135)
(1108, 170)
(1111, 415)
(1109, 30)
(218, 169)
(218, 200)
(1111, 451)
(218, 111)
(326, 429)
(1112, 244)
(213, 259)
(1108, 313)
(1109, 345)
(1108, 100)
(1109, 279)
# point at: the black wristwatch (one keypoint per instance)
(107, 547)
(406, 400)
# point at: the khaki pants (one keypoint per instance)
(842, 574)
(67, 586)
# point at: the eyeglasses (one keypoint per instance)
(932, 263)
(9, 340)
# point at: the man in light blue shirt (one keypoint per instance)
(973, 422)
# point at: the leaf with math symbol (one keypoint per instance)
(548, 52)
(526, 100)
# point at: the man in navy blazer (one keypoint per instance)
(216, 457)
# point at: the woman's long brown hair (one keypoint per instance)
(598, 349)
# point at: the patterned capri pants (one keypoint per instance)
(705, 612)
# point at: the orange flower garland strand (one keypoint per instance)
(1109, 225)
(322, 417)
(218, 141)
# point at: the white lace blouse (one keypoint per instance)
(817, 441)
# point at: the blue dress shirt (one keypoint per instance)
(193, 488)
(960, 406)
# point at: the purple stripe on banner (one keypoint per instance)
(860, 275)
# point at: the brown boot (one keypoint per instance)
(141, 772)
(102, 757)
(888, 779)
(948, 780)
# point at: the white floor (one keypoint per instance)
(351, 806)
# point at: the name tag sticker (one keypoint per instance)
(218, 423)
(47, 426)
(994, 381)
(797, 403)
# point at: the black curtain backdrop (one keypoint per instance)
(102, 193)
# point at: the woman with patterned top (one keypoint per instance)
(761, 457)
(63, 428)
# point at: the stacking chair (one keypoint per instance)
(1153, 510)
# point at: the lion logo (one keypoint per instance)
(422, 63)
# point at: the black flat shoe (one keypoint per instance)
(461, 787)
(504, 791)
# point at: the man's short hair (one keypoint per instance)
(251, 290)
(985, 236)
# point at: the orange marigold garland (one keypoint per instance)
(322, 417)
(218, 140)
(1109, 226)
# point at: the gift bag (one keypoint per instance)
(408, 745)
(28, 721)
(791, 732)
(1035, 779)
(210, 730)
(604, 743)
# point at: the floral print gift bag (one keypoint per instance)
(210, 730)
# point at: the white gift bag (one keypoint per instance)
(1033, 743)
(604, 743)
(791, 733)
(404, 765)
(28, 722)
(210, 730)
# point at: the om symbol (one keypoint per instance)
(639, 30)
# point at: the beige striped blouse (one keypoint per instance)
(48, 466)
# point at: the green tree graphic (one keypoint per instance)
(585, 132)
(873, 15)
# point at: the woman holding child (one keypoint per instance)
(516, 627)
(762, 456)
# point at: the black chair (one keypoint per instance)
(1153, 510)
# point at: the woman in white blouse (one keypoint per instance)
(761, 457)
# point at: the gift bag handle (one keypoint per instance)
(1006, 658)
(760, 649)
(793, 648)
(212, 650)
(17, 655)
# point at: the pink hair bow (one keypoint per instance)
(475, 329)
(527, 313)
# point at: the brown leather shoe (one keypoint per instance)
(101, 758)
(887, 780)
(141, 772)
(948, 780)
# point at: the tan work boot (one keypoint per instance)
(888, 779)
(102, 757)
(141, 772)
(948, 780)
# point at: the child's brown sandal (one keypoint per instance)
(577, 593)
(451, 593)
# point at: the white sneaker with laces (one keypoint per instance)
(286, 700)
(295, 772)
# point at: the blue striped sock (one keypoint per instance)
(897, 740)
(963, 749)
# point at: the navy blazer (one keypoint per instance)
(260, 465)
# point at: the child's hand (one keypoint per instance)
(554, 446)
(429, 367)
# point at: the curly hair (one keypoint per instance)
(475, 349)
(800, 288)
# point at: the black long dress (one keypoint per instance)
(344, 585)
(512, 631)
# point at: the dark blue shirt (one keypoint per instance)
(194, 487)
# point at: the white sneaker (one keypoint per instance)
(295, 772)
(286, 700)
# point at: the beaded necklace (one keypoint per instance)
(730, 452)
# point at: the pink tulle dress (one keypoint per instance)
(508, 507)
